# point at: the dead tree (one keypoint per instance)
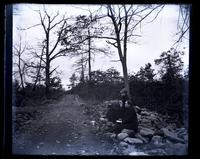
(52, 49)
(19, 50)
(86, 28)
(80, 67)
(37, 67)
(125, 20)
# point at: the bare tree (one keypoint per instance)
(80, 66)
(19, 50)
(36, 66)
(125, 20)
(53, 27)
(86, 29)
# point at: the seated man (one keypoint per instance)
(129, 119)
(124, 96)
(115, 111)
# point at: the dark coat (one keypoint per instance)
(129, 119)
(114, 112)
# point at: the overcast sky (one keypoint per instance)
(156, 37)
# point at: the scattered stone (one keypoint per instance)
(171, 136)
(57, 141)
(109, 134)
(141, 138)
(129, 149)
(182, 133)
(133, 140)
(123, 144)
(113, 135)
(157, 141)
(122, 136)
(147, 132)
(144, 113)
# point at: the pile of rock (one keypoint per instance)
(155, 135)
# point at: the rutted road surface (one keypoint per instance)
(62, 129)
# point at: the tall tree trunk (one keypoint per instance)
(125, 75)
(38, 73)
(22, 81)
(47, 65)
(20, 72)
(82, 73)
(47, 78)
(89, 55)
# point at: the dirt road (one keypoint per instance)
(62, 129)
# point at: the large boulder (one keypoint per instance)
(145, 140)
(157, 141)
(122, 136)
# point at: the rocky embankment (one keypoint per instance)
(156, 135)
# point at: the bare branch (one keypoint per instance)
(28, 27)
(157, 14)
(33, 65)
(58, 54)
(63, 19)
(53, 70)
(114, 44)
(114, 60)
(103, 37)
(55, 16)
(42, 22)
(58, 39)
(139, 22)
(181, 36)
